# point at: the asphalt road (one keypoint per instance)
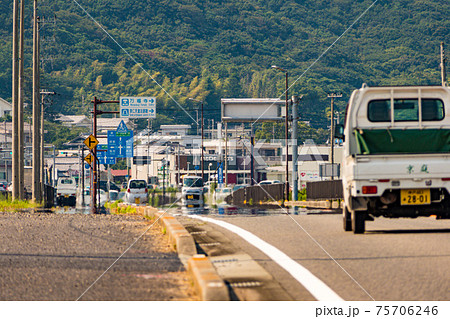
(396, 259)
(59, 256)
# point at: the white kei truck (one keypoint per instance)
(66, 191)
(396, 154)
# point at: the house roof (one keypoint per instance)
(5, 104)
(119, 172)
(113, 123)
(26, 127)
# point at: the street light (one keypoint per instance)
(286, 132)
(203, 170)
(332, 96)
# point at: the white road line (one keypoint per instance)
(313, 284)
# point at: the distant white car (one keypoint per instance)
(113, 195)
(239, 186)
(87, 197)
(269, 182)
(221, 193)
(136, 192)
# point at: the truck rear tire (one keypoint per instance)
(347, 219)
(358, 222)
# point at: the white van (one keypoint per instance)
(396, 154)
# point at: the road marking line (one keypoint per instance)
(313, 284)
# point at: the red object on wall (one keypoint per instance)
(231, 178)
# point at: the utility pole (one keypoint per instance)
(226, 154)
(42, 180)
(202, 149)
(20, 142)
(332, 96)
(252, 165)
(295, 101)
(15, 103)
(36, 191)
(82, 178)
(286, 196)
(443, 62)
(94, 169)
(164, 180)
(203, 169)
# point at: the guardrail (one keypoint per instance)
(49, 196)
(324, 190)
(258, 194)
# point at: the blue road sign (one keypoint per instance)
(137, 107)
(104, 155)
(129, 147)
(120, 142)
(107, 160)
(87, 166)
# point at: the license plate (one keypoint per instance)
(190, 197)
(415, 197)
(66, 196)
(137, 200)
(190, 206)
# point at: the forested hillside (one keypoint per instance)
(224, 48)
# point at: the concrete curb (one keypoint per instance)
(326, 204)
(209, 285)
(207, 282)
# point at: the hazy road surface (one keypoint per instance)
(396, 259)
(58, 256)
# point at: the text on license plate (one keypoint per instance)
(190, 197)
(415, 196)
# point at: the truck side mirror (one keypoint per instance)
(339, 131)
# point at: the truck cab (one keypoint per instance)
(192, 191)
(396, 154)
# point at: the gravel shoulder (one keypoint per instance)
(59, 256)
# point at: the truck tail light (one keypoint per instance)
(446, 179)
(383, 180)
(369, 189)
(146, 190)
(128, 190)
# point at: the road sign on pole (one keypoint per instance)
(89, 158)
(138, 107)
(91, 142)
(104, 157)
(120, 142)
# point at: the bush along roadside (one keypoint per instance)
(8, 205)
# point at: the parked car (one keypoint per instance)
(3, 186)
(136, 191)
(104, 185)
(87, 197)
(221, 193)
(113, 195)
(269, 182)
(239, 186)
